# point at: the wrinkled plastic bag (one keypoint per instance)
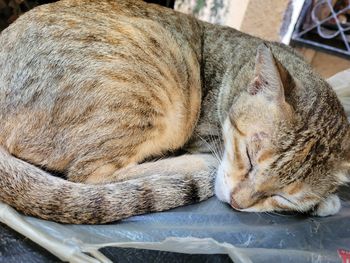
(210, 227)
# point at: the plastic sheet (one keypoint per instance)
(210, 227)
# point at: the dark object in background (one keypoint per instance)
(10, 10)
(167, 3)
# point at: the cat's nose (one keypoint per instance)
(234, 204)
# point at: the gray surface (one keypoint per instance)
(260, 237)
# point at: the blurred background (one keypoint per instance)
(318, 29)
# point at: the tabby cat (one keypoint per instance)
(94, 91)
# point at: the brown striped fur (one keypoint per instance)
(92, 90)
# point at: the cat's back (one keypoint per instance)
(76, 47)
(98, 38)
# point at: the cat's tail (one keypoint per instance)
(37, 193)
(341, 85)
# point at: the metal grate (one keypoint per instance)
(324, 24)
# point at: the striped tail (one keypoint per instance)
(37, 193)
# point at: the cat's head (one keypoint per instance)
(285, 144)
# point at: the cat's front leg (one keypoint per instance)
(187, 164)
(330, 206)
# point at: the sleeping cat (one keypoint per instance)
(96, 90)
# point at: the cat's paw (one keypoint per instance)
(330, 206)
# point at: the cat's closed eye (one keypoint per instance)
(250, 164)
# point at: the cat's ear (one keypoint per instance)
(270, 77)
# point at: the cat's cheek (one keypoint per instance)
(330, 206)
(223, 186)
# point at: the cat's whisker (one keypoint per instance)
(319, 197)
(215, 149)
(276, 213)
(210, 148)
(268, 214)
(214, 141)
(216, 144)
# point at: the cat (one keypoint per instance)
(95, 91)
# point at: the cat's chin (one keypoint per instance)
(222, 189)
(330, 206)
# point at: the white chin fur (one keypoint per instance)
(222, 185)
(330, 206)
